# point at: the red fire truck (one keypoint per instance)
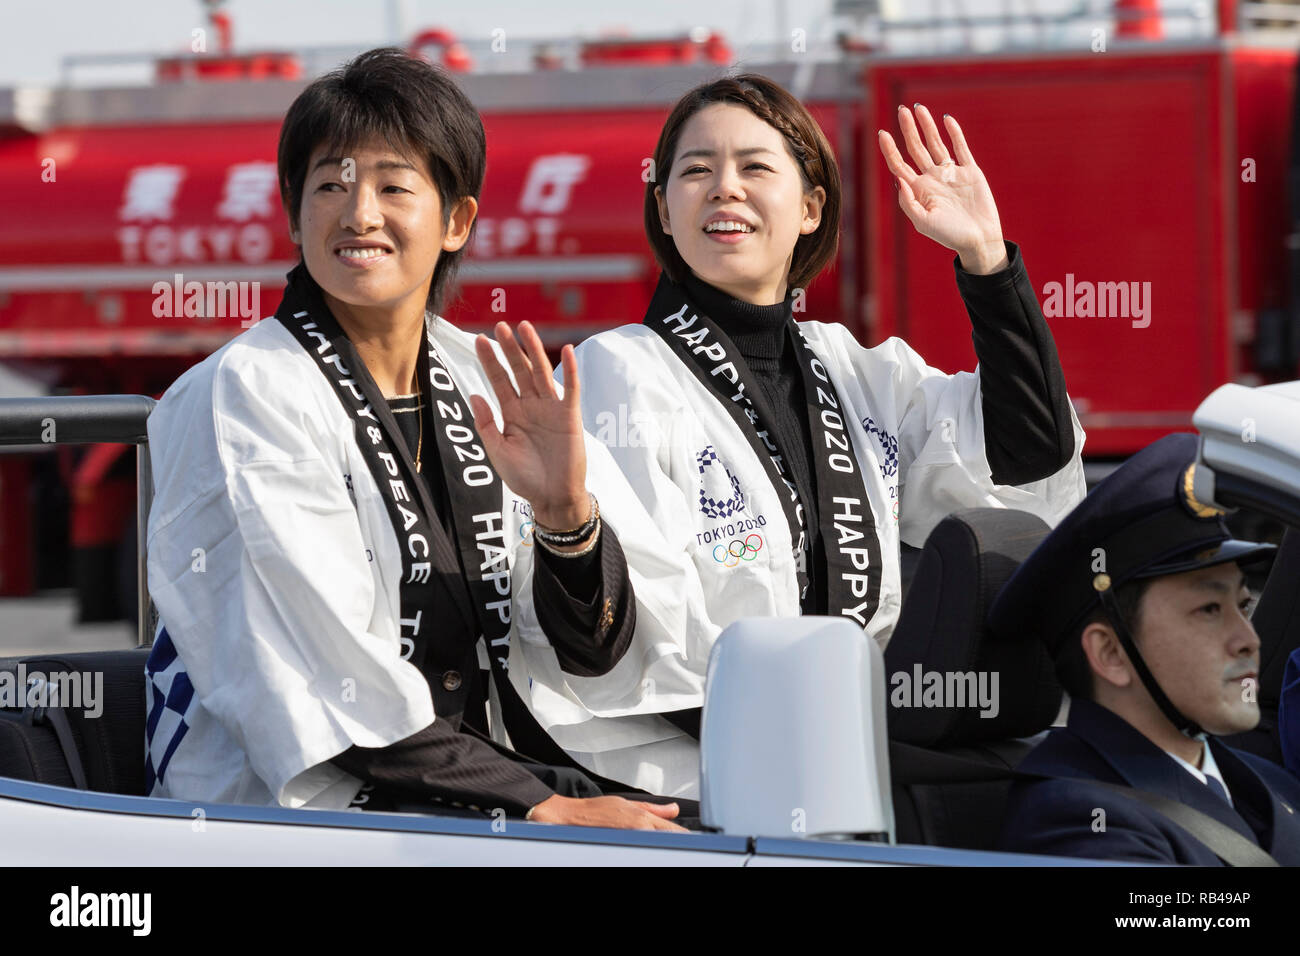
(1150, 182)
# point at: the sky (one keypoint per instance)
(37, 35)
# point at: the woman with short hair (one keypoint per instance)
(785, 459)
(344, 521)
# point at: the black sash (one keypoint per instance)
(847, 523)
(473, 492)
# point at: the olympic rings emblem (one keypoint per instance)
(729, 557)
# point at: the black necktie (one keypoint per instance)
(1217, 789)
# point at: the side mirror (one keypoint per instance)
(793, 741)
(1250, 449)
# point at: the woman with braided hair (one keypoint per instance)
(786, 459)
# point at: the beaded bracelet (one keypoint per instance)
(574, 554)
(565, 538)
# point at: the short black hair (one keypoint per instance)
(1072, 667)
(408, 103)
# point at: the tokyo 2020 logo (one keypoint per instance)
(721, 507)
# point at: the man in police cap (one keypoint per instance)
(1140, 597)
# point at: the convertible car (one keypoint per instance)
(802, 761)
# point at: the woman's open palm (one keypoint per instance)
(946, 197)
(538, 451)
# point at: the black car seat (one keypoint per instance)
(966, 560)
(73, 746)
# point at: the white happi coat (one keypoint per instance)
(275, 570)
(918, 434)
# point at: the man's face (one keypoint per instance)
(372, 229)
(1201, 648)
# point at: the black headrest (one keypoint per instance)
(942, 642)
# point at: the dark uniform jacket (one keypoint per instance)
(1057, 816)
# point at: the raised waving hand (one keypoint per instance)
(946, 196)
(539, 450)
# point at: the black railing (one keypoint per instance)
(92, 419)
